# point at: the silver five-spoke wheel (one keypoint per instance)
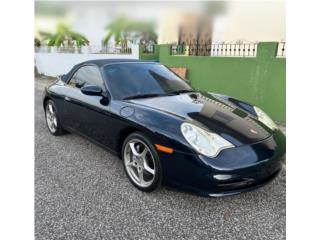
(139, 163)
(51, 118)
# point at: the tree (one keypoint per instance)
(145, 33)
(37, 42)
(64, 35)
(124, 31)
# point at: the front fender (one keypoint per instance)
(165, 128)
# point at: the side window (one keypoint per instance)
(72, 81)
(87, 75)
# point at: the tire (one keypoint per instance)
(141, 161)
(52, 117)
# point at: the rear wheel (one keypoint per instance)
(141, 162)
(52, 119)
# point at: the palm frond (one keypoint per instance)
(63, 33)
(124, 30)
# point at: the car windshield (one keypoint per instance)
(138, 80)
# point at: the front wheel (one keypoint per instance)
(52, 119)
(141, 162)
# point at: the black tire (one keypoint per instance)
(58, 130)
(157, 164)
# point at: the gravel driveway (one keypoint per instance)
(81, 192)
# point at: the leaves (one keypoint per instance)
(107, 38)
(124, 31)
(64, 35)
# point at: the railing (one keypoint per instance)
(235, 49)
(67, 50)
(42, 49)
(115, 49)
(238, 49)
(118, 49)
(149, 48)
(281, 51)
(178, 50)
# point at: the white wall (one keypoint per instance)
(54, 64)
(252, 21)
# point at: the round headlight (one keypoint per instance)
(204, 142)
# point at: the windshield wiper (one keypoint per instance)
(182, 91)
(146, 95)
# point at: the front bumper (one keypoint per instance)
(233, 171)
(239, 185)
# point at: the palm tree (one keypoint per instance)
(119, 29)
(124, 31)
(64, 35)
(145, 33)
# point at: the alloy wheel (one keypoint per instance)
(51, 118)
(139, 163)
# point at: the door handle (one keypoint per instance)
(67, 99)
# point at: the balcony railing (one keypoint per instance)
(149, 48)
(216, 49)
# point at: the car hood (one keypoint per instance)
(211, 113)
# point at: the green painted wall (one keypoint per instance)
(260, 80)
(149, 56)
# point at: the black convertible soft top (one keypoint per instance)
(98, 62)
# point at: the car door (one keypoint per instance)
(88, 115)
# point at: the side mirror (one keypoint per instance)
(92, 90)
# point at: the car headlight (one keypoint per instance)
(265, 119)
(206, 143)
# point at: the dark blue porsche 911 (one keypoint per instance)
(164, 131)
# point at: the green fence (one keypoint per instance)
(259, 80)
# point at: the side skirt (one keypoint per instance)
(110, 150)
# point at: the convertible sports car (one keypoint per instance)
(164, 131)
